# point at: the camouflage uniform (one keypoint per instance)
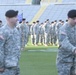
(42, 32)
(47, 32)
(27, 33)
(37, 29)
(33, 35)
(23, 35)
(53, 34)
(58, 25)
(66, 59)
(9, 50)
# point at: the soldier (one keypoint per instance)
(10, 45)
(1, 24)
(33, 35)
(66, 21)
(27, 32)
(42, 32)
(23, 33)
(53, 33)
(47, 29)
(18, 26)
(58, 25)
(50, 34)
(37, 32)
(62, 23)
(66, 58)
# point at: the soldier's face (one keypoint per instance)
(13, 20)
(72, 21)
(23, 22)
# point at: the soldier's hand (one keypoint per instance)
(2, 69)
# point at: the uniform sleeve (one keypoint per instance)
(64, 41)
(2, 42)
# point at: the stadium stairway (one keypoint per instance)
(39, 13)
(59, 1)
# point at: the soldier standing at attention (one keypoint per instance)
(47, 31)
(54, 34)
(10, 45)
(42, 32)
(66, 58)
(27, 32)
(37, 29)
(58, 25)
(23, 33)
(33, 35)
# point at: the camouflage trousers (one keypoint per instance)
(23, 42)
(66, 69)
(11, 71)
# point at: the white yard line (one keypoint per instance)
(49, 50)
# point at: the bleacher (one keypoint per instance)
(68, 1)
(52, 11)
(56, 12)
(12, 1)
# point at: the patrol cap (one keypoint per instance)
(11, 13)
(37, 21)
(60, 20)
(41, 23)
(66, 20)
(34, 22)
(47, 20)
(27, 22)
(52, 22)
(55, 21)
(23, 19)
(72, 13)
(0, 21)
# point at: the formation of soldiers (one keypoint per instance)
(45, 33)
(41, 33)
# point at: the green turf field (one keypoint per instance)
(38, 63)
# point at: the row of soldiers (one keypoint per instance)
(45, 33)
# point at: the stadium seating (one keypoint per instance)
(56, 12)
(68, 1)
(12, 1)
(52, 11)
